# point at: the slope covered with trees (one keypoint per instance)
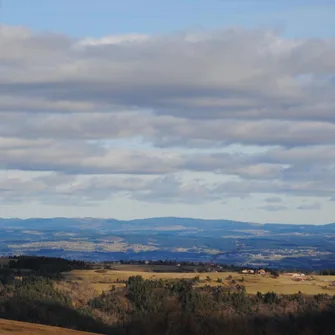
(170, 306)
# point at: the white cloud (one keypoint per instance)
(75, 107)
(273, 200)
(310, 206)
(223, 74)
(273, 208)
(113, 39)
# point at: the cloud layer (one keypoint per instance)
(247, 112)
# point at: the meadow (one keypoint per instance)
(104, 280)
(161, 297)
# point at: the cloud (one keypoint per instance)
(82, 158)
(297, 174)
(79, 189)
(113, 40)
(165, 131)
(134, 115)
(311, 206)
(274, 200)
(172, 189)
(273, 208)
(65, 190)
(230, 73)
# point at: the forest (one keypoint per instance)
(146, 306)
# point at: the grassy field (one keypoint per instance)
(23, 328)
(99, 282)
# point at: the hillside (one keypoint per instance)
(95, 281)
(24, 328)
(161, 298)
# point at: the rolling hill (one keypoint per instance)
(24, 328)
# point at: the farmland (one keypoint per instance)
(151, 297)
(103, 280)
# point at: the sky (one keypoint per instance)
(141, 108)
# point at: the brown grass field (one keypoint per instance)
(23, 328)
(99, 282)
(82, 285)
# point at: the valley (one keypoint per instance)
(282, 246)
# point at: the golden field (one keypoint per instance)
(24, 328)
(103, 281)
(82, 285)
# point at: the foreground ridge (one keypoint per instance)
(18, 328)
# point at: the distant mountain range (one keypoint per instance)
(160, 222)
(226, 241)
